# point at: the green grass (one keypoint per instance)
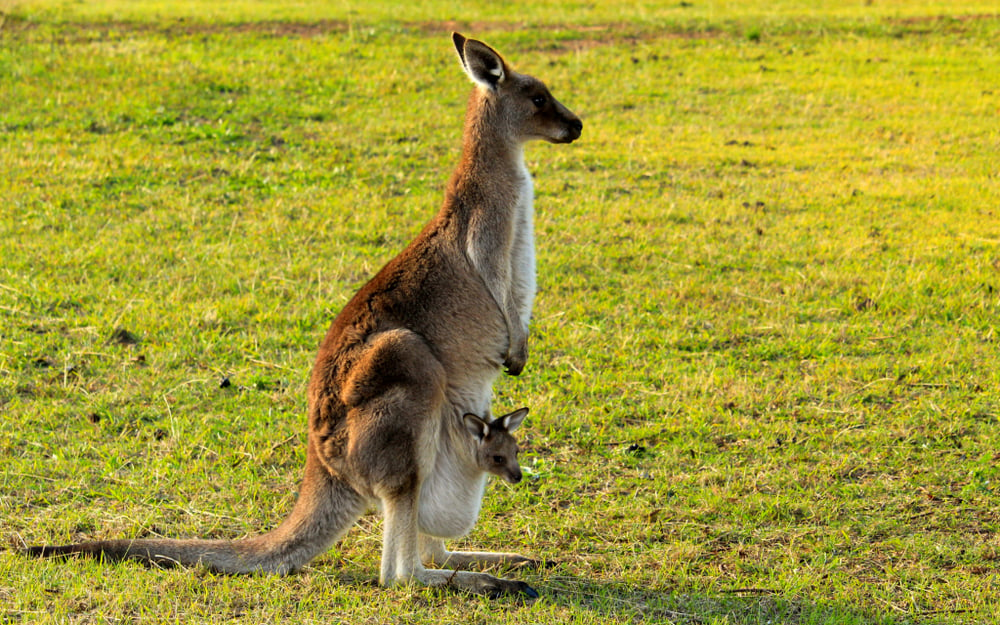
(764, 366)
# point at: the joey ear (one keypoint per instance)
(483, 64)
(476, 426)
(513, 420)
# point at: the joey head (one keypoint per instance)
(496, 449)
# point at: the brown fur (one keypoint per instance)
(414, 350)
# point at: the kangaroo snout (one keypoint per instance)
(575, 130)
(572, 128)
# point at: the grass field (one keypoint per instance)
(765, 361)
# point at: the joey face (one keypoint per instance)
(496, 449)
(497, 454)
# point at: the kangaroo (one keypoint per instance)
(412, 352)
(496, 450)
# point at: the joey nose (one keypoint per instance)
(514, 477)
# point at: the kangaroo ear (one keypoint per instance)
(513, 420)
(476, 426)
(459, 40)
(482, 63)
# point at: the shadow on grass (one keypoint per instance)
(622, 602)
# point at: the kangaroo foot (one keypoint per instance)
(478, 584)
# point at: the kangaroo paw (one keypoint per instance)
(514, 365)
(517, 357)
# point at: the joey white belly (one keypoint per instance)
(449, 504)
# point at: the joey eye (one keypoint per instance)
(498, 459)
(538, 100)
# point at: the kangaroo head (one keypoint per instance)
(496, 449)
(520, 104)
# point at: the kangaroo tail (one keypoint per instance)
(326, 508)
(226, 556)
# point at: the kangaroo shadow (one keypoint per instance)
(617, 602)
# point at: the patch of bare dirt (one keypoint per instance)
(571, 37)
(928, 24)
(945, 19)
(181, 27)
(564, 37)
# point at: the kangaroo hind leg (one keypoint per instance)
(396, 395)
(394, 392)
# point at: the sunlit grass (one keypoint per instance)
(764, 365)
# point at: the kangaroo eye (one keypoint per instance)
(538, 100)
(498, 459)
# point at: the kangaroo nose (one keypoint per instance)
(575, 127)
(514, 477)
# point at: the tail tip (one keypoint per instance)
(46, 551)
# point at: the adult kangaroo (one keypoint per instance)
(417, 348)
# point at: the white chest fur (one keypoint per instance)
(523, 279)
(504, 253)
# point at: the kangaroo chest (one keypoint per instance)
(523, 281)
